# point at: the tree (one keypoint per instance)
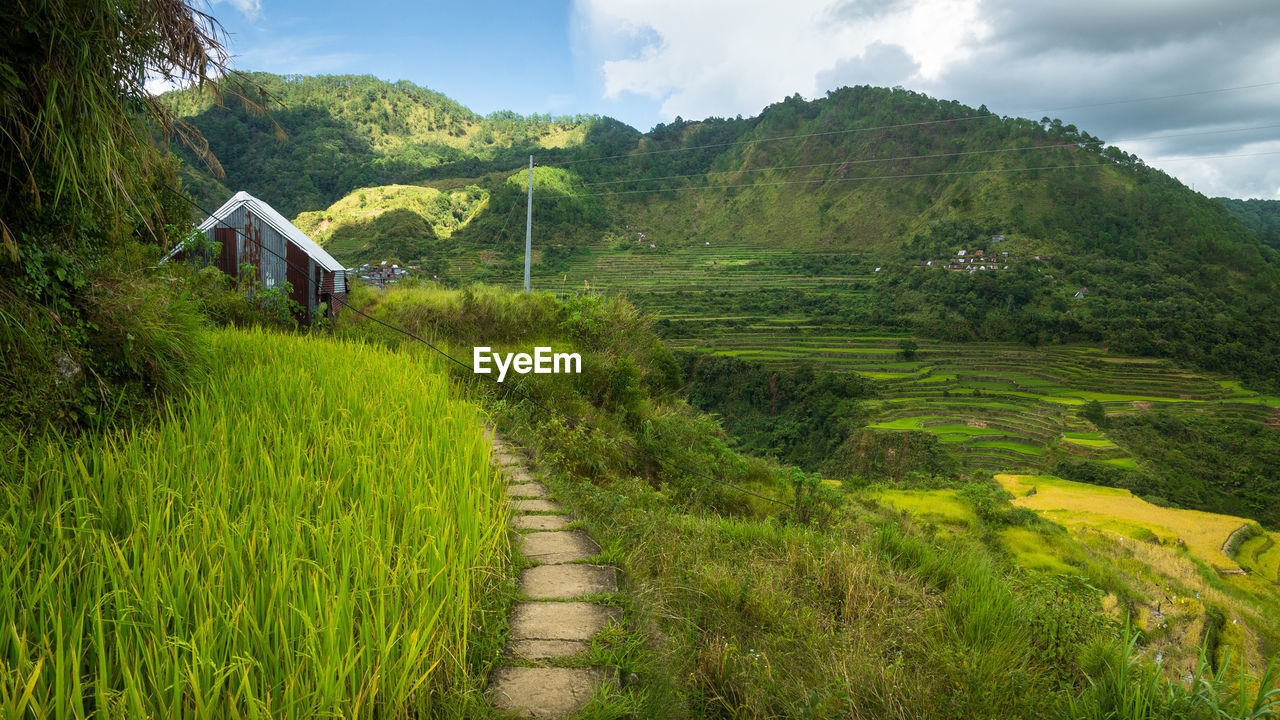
(1094, 413)
(908, 346)
(74, 99)
(84, 180)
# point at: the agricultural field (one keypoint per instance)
(662, 275)
(1261, 556)
(1128, 517)
(1164, 568)
(278, 544)
(995, 406)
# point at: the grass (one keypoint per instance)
(1261, 555)
(755, 618)
(1128, 463)
(1034, 551)
(1017, 447)
(300, 537)
(746, 612)
(1146, 574)
(1071, 503)
(1096, 440)
(944, 507)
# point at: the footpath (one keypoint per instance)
(551, 625)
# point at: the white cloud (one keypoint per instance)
(158, 85)
(250, 8)
(725, 57)
(698, 58)
(1248, 171)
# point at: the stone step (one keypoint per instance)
(540, 522)
(578, 621)
(566, 582)
(527, 490)
(516, 474)
(505, 457)
(543, 692)
(558, 546)
(535, 505)
(536, 650)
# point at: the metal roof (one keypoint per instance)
(269, 215)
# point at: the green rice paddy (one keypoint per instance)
(997, 406)
(309, 543)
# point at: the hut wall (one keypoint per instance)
(269, 258)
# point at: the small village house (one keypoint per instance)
(251, 231)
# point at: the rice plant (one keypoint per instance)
(303, 536)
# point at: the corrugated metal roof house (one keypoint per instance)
(251, 231)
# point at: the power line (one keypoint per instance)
(1164, 97)
(914, 124)
(573, 422)
(851, 161)
(901, 176)
(772, 139)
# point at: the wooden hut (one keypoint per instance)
(251, 231)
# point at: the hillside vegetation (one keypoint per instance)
(1261, 216)
(833, 603)
(402, 222)
(325, 136)
(284, 545)
(862, 178)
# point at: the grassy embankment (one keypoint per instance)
(311, 532)
(997, 406)
(736, 607)
(1170, 570)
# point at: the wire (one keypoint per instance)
(573, 422)
(1163, 97)
(915, 124)
(921, 157)
(771, 139)
(898, 177)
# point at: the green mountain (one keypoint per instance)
(402, 222)
(1261, 216)
(871, 178)
(322, 137)
(820, 209)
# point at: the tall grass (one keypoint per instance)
(1125, 686)
(303, 537)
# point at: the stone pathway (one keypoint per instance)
(550, 624)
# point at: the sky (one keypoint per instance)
(1180, 83)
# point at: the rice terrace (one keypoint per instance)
(798, 368)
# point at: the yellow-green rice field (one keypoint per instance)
(305, 535)
(1117, 510)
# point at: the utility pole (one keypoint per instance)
(528, 228)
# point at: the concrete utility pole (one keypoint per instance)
(528, 228)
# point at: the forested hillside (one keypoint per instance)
(325, 136)
(832, 188)
(1261, 216)
(400, 222)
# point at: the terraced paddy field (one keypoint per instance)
(995, 406)
(1119, 511)
(642, 271)
(1261, 556)
(1156, 565)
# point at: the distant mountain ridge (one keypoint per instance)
(860, 179)
(325, 136)
(1261, 216)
